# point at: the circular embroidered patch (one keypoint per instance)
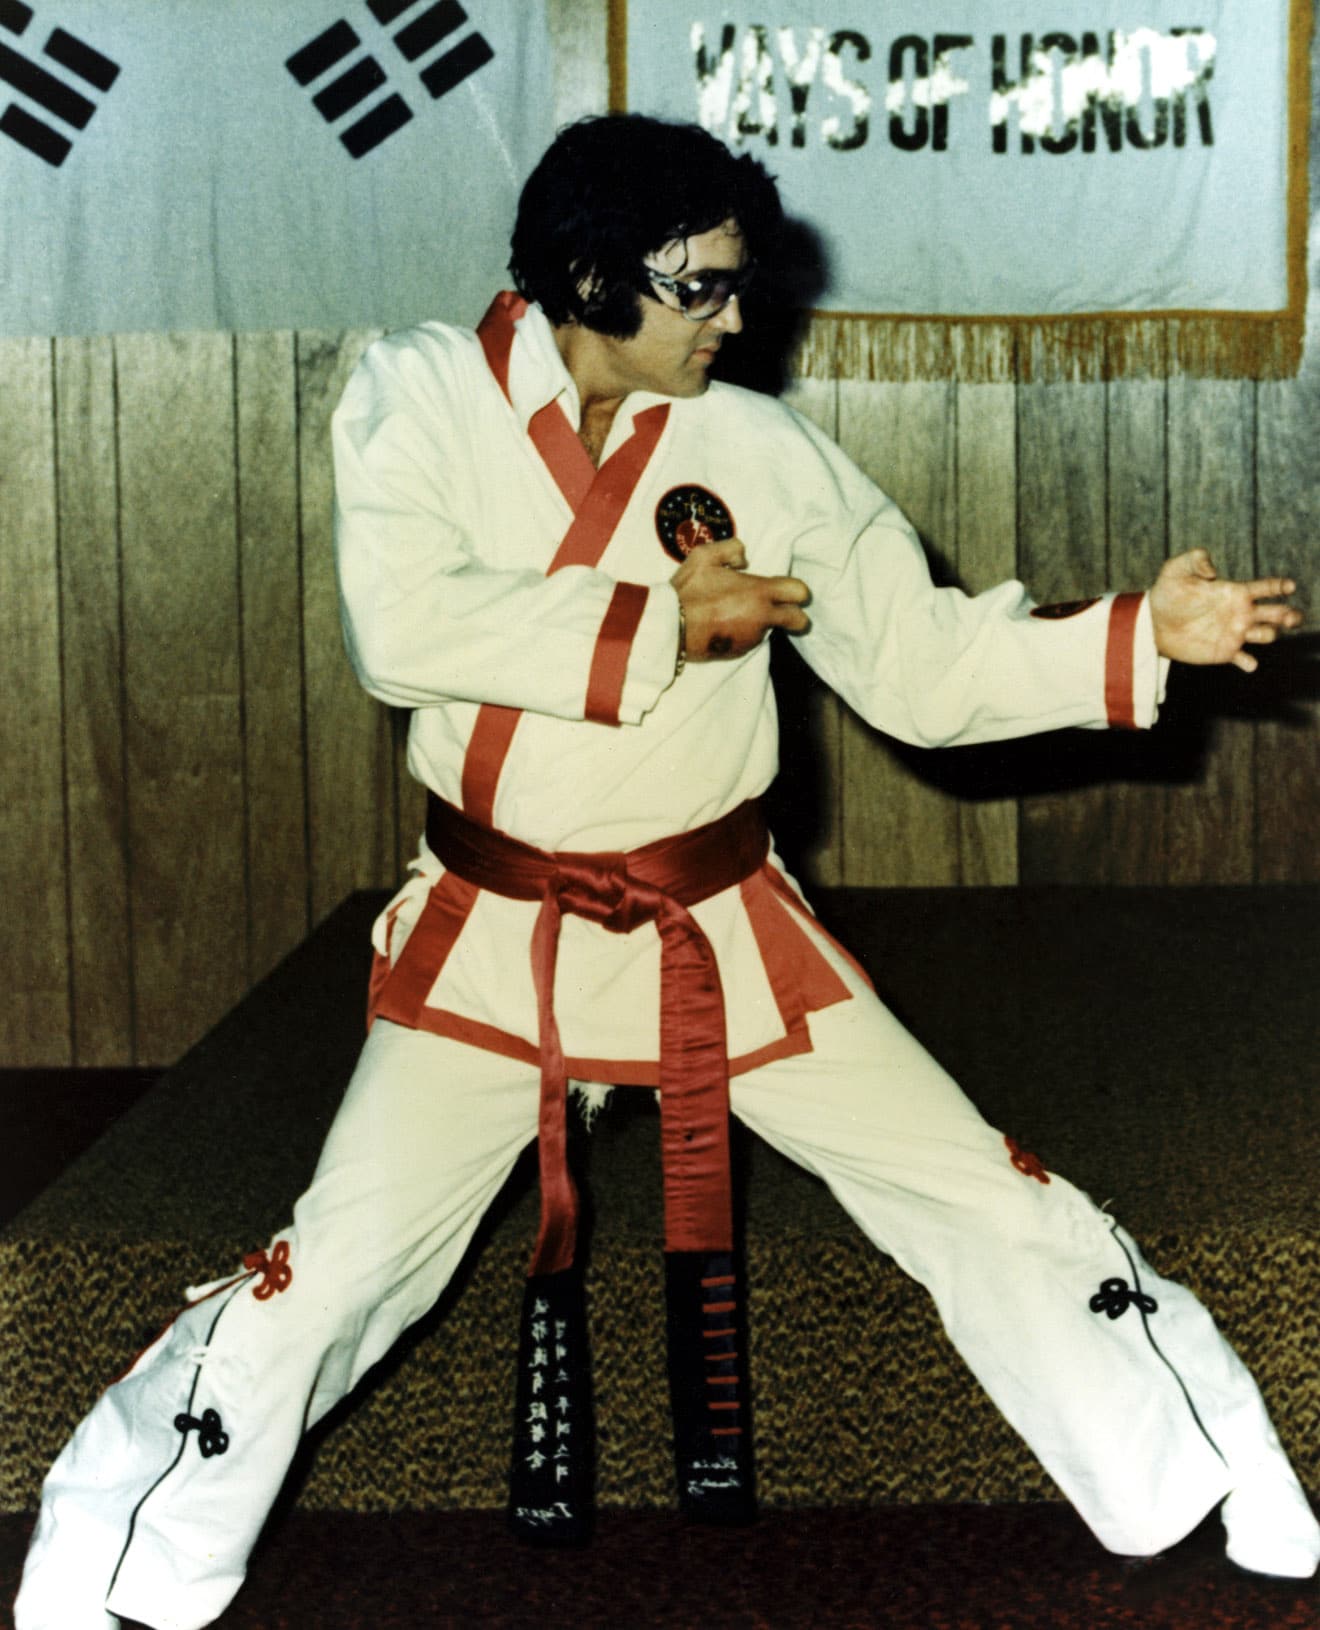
(687, 516)
(1065, 608)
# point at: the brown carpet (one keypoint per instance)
(909, 1568)
(1089, 1043)
(1071, 1015)
(47, 1119)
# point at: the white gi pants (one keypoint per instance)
(1145, 1421)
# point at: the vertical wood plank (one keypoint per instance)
(36, 1024)
(181, 667)
(273, 744)
(578, 38)
(1212, 504)
(1137, 484)
(351, 808)
(1287, 847)
(1288, 738)
(899, 828)
(986, 554)
(90, 589)
(811, 715)
(1061, 543)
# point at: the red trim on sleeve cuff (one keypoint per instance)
(609, 665)
(1120, 661)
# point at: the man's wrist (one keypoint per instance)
(680, 656)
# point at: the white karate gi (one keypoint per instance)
(447, 521)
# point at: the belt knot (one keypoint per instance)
(600, 888)
(657, 883)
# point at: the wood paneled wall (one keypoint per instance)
(192, 779)
(1074, 487)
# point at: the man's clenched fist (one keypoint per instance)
(729, 610)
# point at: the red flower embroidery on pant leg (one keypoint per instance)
(1027, 1163)
(276, 1273)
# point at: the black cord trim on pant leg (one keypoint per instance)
(1139, 1303)
(183, 1444)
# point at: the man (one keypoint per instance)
(563, 548)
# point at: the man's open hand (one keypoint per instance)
(728, 609)
(1200, 617)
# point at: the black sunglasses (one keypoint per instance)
(704, 293)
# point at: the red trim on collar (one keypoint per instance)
(549, 430)
(496, 330)
(598, 498)
(562, 453)
(612, 486)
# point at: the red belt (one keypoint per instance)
(653, 884)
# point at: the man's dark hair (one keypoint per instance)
(613, 189)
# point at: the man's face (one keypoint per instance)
(670, 354)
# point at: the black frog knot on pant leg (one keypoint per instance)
(212, 1439)
(1115, 1296)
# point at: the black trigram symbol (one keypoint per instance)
(47, 89)
(351, 87)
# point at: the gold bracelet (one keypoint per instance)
(680, 661)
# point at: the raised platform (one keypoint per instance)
(1157, 1046)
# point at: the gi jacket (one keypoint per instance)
(452, 503)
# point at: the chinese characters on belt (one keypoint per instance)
(549, 1419)
(550, 1493)
(708, 1382)
(421, 32)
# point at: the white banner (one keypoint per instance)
(255, 164)
(1008, 158)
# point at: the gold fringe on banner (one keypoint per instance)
(1048, 351)
(1073, 349)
